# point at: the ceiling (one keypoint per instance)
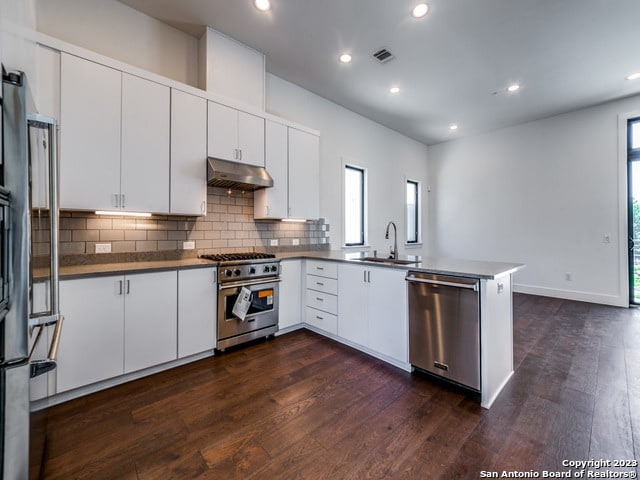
(452, 66)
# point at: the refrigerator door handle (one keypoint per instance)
(39, 367)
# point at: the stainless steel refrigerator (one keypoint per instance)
(29, 257)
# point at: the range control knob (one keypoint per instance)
(227, 273)
(252, 270)
(266, 268)
(274, 268)
(236, 271)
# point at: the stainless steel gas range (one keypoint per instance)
(259, 274)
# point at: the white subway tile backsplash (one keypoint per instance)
(228, 226)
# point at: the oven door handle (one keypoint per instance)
(247, 283)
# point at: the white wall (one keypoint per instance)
(543, 193)
(388, 155)
(17, 33)
(118, 31)
(115, 30)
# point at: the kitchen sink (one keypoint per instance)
(390, 261)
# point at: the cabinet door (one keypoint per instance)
(197, 307)
(387, 311)
(251, 139)
(145, 145)
(290, 293)
(91, 347)
(223, 132)
(188, 154)
(90, 97)
(352, 304)
(150, 326)
(304, 174)
(272, 202)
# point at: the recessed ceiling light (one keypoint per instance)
(345, 58)
(420, 10)
(262, 5)
(394, 90)
(513, 88)
(634, 76)
(453, 126)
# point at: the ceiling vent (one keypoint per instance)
(383, 55)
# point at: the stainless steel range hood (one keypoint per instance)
(225, 174)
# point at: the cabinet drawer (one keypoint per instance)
(322, 284)
(322, 301)
(323, 269)
(323, 320)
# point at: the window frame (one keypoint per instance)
(418, 212)
(363, 212)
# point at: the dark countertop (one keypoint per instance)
(444, 266)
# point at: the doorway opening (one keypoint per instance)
(633, 209)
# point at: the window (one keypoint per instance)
(413, 212)
(354, 198)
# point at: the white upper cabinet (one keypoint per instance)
(274, 202)
(304, 174)
(90, 96)
(292, 158)
(145, 145)
(114, 139)
(188, 154)
(235, 135)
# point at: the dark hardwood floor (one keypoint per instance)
(302, 406)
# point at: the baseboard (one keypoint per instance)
(613, 300)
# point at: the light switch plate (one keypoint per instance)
(103, 248)
(188, 245)
(295, 241)
(274, 242)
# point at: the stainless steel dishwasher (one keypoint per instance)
(444, 327)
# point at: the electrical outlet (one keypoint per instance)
(273, 242)
(103, 248)
(295, 241)
(188, 245)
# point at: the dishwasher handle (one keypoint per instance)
(471, 286)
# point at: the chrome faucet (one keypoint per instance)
(394, 252)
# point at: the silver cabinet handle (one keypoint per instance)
(122, 202)
(319, 317)
(128, 287)
(115, 200)
(203, 205)
(120, 282)
(240, 154)
(320, 299)
(364, 276)
(320, 284)
(369, 276)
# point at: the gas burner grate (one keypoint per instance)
(231, 257)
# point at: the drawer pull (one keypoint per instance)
(320, 268)
(319, 317)
(320, 284)
(320, 299)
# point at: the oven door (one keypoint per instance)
(261, 318)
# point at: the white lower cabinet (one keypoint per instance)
(321, 295)
(372, 306)
(114, 325)
(150, 317)
(91, 344)
(197, 310)
(290, 300)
